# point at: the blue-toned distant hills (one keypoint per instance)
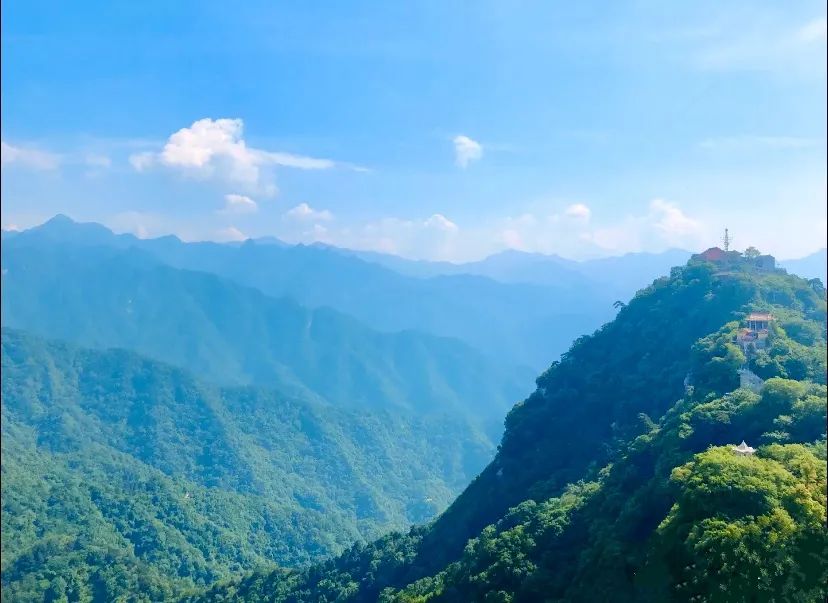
(811, 266)
(521, 309)
(124, 296)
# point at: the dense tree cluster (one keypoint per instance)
(125, 475)
(616, 480)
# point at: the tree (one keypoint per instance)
(817, 286)
(752, 253)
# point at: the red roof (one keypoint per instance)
(714, 254)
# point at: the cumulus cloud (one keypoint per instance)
(466, 150)
(578, 211)
(239, 204)
(230, 234)
(664, 225)
(305, 213)
(217, 148)
(28, 157)
(440, 222)
(671, 221)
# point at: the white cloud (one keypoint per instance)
(230, 234)
(433, 237)
(466, 150)
(538, 233)
(208, 140)
(216, 148)
(579, 211)
(142, 224)
(27, 157)
(239, 204)
(664, 225)
(671, 221)
(305, 213)
(440, 222)
(574, 233)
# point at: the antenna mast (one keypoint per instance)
(727, 240)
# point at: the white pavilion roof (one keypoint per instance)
(743, 448)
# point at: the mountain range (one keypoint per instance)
(612, 277)
(176, 415)
(617, 479)
(230, 334)
(521, 309)
(518, 324)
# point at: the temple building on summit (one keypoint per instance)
(717, 255)
(729, 261)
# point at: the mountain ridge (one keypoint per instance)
(519, 323)
(234, 334)
(605, 484)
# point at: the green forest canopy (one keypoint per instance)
(616, 479)
(125, 475)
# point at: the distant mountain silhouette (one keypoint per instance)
(518, 323)
(814, 265)
(230, 334)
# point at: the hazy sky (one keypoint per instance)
(445, 129)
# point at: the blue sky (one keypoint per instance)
(444, 130)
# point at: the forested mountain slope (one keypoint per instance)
(616, 479)
(518, 323)
(125, 476)
(109, 297)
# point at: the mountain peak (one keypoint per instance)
(62, 222)
(58, 219)
(55, 224)
(62, 228)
